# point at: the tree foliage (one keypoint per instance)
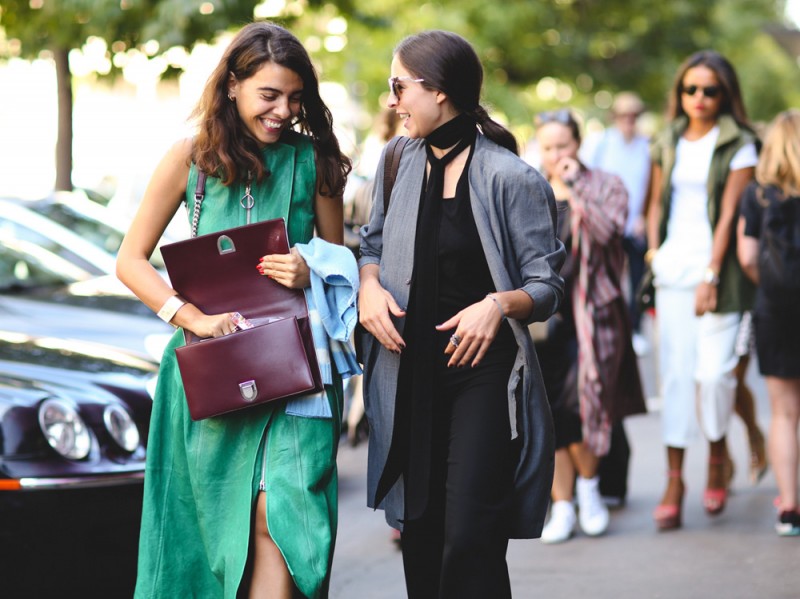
(537, 54)
(585, 49)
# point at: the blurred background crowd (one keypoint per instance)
(93, 93)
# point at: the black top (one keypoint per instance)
(752, 209)
(464, 276)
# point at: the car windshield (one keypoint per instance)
(26, 265)
(93, 231)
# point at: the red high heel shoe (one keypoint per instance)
(714, 500)
(670, 516)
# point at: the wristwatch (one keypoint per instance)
(711, 276)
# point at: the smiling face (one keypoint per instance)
(421, 110)
(268, 102)
(555, 142)
(702, 80)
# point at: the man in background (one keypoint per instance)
(620, 149)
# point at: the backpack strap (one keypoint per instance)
(391, 164)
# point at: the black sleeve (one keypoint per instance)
(750, 210)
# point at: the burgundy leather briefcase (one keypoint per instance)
(275, 359)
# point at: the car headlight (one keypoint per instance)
(121, 427)
(64, 429)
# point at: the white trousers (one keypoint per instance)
(697, 359)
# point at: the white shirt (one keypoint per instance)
(686, 252)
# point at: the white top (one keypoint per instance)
(609, 152)
(686, 252)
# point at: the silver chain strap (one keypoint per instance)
(247, 202)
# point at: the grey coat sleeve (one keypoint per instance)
(539, 253)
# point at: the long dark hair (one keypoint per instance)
(223, 145)
(731, 102)
(448, 63)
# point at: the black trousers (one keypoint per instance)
(457, 549)
(635, 249)
(613, 467)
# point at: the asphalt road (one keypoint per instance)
(736, 555)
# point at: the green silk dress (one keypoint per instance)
(202, 478)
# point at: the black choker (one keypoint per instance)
(451, 132)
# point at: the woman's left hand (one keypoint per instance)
(705, 298)
(475, 327)
(290, 270)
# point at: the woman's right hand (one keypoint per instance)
(375, 307)
(215, 325)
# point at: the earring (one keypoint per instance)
(231, 97)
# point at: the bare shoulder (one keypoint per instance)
(181, 151)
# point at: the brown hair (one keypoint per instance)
(448, 63)
(731, 102)
(779, 162)
(223, 145)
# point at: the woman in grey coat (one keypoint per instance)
(461, 440)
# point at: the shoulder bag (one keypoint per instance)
(217, 273)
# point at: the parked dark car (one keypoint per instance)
(74, 418)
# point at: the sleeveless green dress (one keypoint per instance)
(202, 478)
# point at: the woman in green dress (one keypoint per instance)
(233, 505)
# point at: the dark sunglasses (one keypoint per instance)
(397, 89)
(712, 91)
(562, 116)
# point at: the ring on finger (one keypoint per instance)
(455, 340)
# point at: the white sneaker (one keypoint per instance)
(640, 345)
(561, 525)
(592, 512)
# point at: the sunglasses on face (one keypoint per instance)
(396, 89)
(712, 91)
(562, 116)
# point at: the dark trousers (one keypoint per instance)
(457, 549)
(613, 467)
(635, 249)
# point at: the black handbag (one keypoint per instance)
(273, 360)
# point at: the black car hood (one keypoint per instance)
(32, 368)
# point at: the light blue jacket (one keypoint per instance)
(515, 213)
(331, 300)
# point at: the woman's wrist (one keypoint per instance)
(493, 297)
(711, 275)
(169, 308)
(649, 255)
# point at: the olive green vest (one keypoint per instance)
(736, 292)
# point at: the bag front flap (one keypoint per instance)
(251, 366)
(217, 272)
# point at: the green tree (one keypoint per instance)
(583, 50)
(36, 27)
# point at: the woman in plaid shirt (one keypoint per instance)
(593, 208)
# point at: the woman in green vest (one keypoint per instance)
(245, 502)
(701, 164)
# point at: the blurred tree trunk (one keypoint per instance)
(64, 141)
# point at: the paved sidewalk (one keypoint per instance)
(736, 555)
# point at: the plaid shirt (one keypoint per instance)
(599, 209)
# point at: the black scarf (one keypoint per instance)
(415, 397)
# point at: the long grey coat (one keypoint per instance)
(515, 214)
